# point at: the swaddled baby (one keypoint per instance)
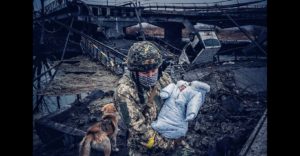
(182, 103)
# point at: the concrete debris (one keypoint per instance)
(223, 124)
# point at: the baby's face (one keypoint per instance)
(182, 87)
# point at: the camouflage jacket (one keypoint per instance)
(138, 117)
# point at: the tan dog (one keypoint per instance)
(98, 135)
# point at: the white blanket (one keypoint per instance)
(182, 103)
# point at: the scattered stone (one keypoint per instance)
(197, 126)
(81, 122)
(93, 118)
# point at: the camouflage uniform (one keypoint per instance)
(142, 56)
(138, 117)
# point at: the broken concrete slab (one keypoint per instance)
(84, 76)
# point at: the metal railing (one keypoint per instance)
(200, 6)
(55, 6)
(101, 53)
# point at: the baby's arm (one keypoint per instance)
(193, 106)
(166, 92)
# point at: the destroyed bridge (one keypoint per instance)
(235, 107)
(172, 17)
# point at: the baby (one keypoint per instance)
(182, 103)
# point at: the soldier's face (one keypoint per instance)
(148, 73)
(148, 78)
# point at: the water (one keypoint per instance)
(51, 101)
(65, 101)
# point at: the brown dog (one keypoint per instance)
(98, 135)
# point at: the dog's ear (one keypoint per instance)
(114, 108)
(110, 108)
(103, 109)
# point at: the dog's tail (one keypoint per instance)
(85, 146)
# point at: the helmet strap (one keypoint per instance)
(135, 75)
(159, 73)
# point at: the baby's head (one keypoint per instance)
(182, 84)
(200, 86)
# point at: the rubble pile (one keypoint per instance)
(227, 117)
(222, 126)
(85, 112)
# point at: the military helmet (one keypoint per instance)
(143, 56)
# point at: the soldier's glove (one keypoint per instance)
(150, 142)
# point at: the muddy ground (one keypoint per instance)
(231, 110)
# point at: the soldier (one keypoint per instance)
(137, 99)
